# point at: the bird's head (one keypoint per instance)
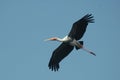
(52, 39)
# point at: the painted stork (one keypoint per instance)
(70, 41)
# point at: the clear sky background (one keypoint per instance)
(24, 24)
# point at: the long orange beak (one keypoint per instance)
(50, 39)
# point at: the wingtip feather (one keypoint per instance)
(88, 18)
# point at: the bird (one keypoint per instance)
(69, 42)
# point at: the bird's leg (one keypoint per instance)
(89, 51)
(81, 46)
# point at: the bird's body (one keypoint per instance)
(69, 42)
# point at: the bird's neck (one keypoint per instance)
(65, 39)
(60, 40)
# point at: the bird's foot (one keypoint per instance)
(93, 53)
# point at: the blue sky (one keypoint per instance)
(24, 24)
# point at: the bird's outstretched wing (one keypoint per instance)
(59, 54)
(79, 27)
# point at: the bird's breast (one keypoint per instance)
(67, 39)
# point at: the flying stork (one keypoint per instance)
(70, 41)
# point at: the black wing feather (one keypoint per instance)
(59, 54)
(79, 27)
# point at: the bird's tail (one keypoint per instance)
(81, 42)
